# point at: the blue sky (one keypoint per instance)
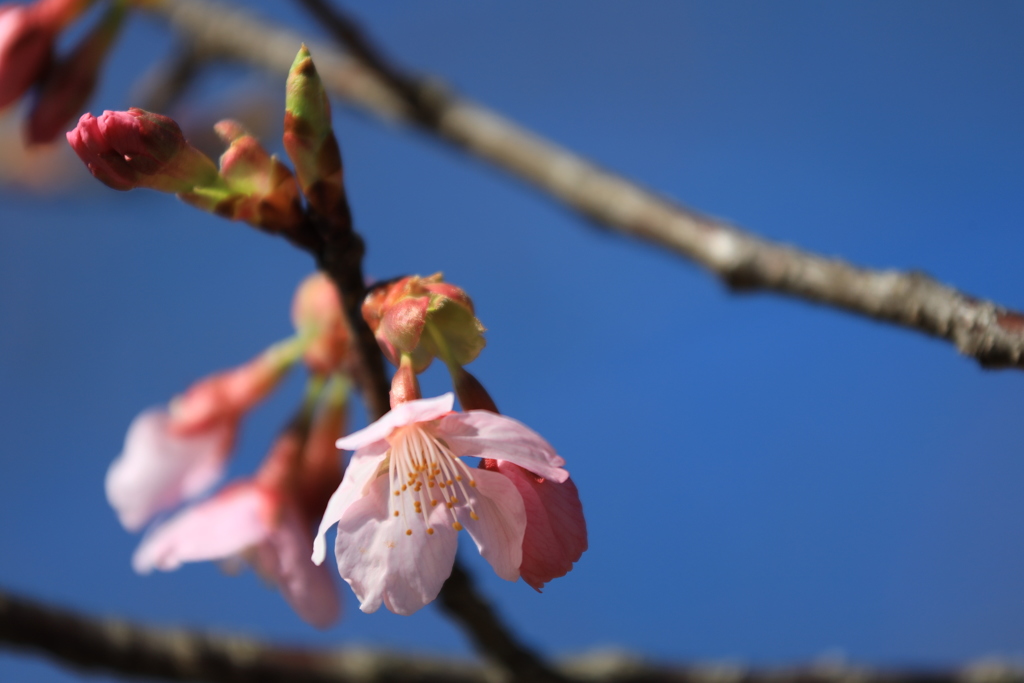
(765, 481)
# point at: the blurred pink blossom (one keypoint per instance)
(159, 468)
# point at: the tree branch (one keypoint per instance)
(121, 648)
(984, 330)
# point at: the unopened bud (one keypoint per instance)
(71, 82)
(309, 137)
(261, 190)
(316, 314)
(424, 318)
(135, 148)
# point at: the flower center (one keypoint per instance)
(425, 474)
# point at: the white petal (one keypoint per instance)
(484, 434)
(236, 518)
(361, 470)
(158, 470)
(420, 410)
(283, 559)
(382, 563)
(499, 531)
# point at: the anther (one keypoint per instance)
(474, 516)
(472, 482)
(408, 532)
(456, 526)
(458, 477)
(430, 531)
(396, 513)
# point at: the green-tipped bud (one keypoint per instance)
(417, 319)
(309, 138)
(264, 192)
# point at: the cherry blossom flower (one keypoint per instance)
(266, 521)
(254, 522)
(160, 468)
(407, 492)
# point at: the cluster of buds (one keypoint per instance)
(176, 454)
(139, 149)
(28, 34)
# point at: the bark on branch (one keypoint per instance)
(984, 330)
(121, 648)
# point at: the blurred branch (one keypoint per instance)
(121, 648)
(164, 85)
(984, 330)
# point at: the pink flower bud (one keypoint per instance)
(26, 43)
(135, 148)
(70, 83)
(316, 311)
(424, 318)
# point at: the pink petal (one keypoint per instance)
(420, 410)
(556, 532)
(362, 469)
(283, 559)
(502, 522)
(384, 564)
(485, 434)
(157, 470)
(238, 517)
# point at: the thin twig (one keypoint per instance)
(984, 330)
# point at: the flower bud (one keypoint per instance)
(309, 137)
(424, 318)
(316, 313)
(135, 148)
(26, 45)
(70, 83)
(263, 192)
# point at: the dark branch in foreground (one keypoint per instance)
(984, 330)
(121, 648)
